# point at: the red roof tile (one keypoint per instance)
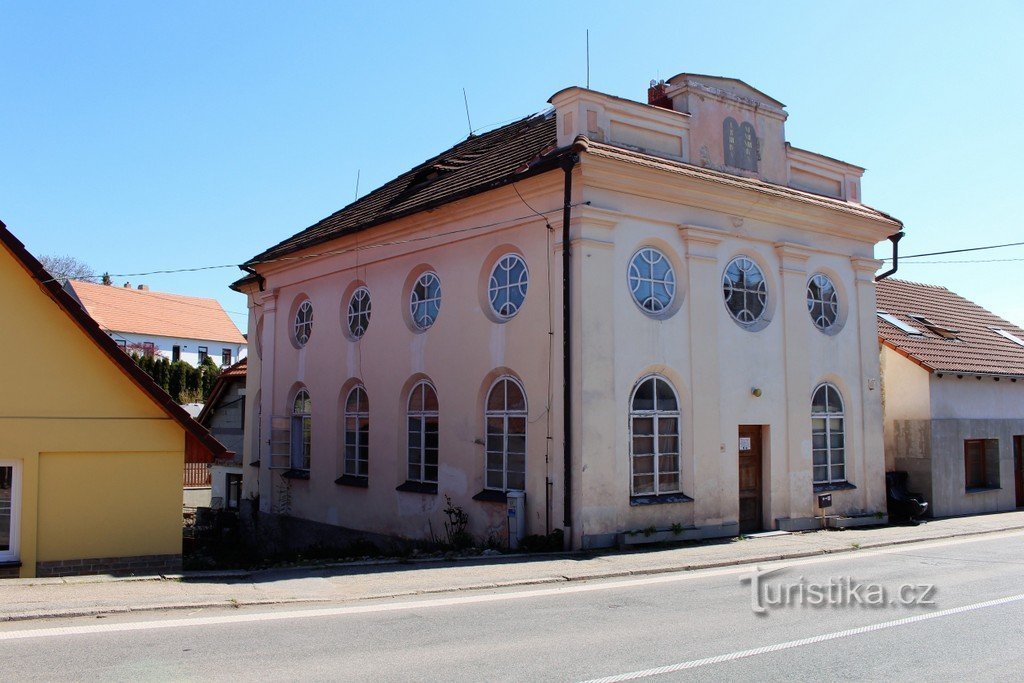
(120, 309)
(977, 349)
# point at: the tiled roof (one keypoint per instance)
(607, 151)
(477, 164)
(977, 349)
(107, 345)
(120, 309)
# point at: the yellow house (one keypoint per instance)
(91, 450)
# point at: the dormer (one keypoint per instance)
(624, 123)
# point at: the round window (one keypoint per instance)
(303, 322)
(746, 292)
(359, 312)
(506, 288)
(822, 301)
(425, 300)
(652, 282)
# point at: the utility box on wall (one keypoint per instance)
(516, 518)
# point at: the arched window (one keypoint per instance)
(359, 312)
(303, 322)
(357, 433)
(652, 282)
(302, 430)
(654, 438)
(828, 435)
(506, 288)
(746, 292)
(425, 300)
(505, 416)
(422, 419)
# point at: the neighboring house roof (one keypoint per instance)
(952, 334)
(477, 164)
(124, 363)
(233, 373)
(136, 311)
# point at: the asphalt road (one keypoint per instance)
(687, 625)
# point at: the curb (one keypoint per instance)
(490, 585)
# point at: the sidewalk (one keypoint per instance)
(75, 596)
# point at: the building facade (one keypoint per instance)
(721, 345)
(954, 398)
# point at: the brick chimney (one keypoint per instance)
(656, 95)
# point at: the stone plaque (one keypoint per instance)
(741, 148)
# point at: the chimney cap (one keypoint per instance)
(144, 288)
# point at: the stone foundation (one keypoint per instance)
(10, 570)
(143, 565)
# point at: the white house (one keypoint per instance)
(713, 368)
(177, 327)
(954, 398)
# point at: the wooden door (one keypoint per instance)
(1018, 468)
(750, 478)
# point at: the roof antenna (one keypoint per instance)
(588, 59)
(357, 183)
(468, 122)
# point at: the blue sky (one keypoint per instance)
(144, 136)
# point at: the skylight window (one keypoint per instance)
(1012, 337)
(893, 320)
(944, 332)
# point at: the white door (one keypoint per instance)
(10, 509)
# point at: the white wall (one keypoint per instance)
(189, 347)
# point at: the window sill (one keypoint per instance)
(982, 489)
(663, 499)
(351, 480)
(491, 496)
(418, 487)
(295, 474)
(254, 463)
(835, 486)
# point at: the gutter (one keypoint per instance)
(895, 239)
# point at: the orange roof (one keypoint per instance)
(974, 347)
(120, 309)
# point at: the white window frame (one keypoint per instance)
(652, 305)
(359, 306)
(425, 280)
(417, 455)
(655, 415)
(301, 428)
(729, 290)
(362, 444)
(505, 415)
(13, 554)
(503, 267)
(828, 417)
(305, 310)
(830, 306)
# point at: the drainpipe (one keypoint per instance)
(260, 280)
(895, 239)
(567, 163)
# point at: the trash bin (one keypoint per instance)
(516, 518)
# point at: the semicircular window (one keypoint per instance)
(745, 290)
(652, 281)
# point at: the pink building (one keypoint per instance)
(713, 369)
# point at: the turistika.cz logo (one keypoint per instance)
(841, 591)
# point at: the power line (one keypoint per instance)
(994, 260)
(960, 251)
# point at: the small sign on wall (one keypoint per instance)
(825, 500)
(744, 443)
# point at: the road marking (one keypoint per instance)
(742, 654)
(565, 589)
